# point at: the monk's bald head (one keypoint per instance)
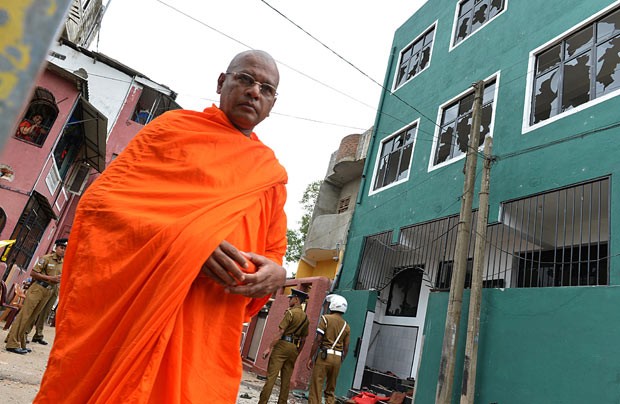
(256, 55)
(248, 89)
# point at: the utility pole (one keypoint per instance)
(468, 387)
(445, 380)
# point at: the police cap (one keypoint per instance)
(61, 241)
(298, 293)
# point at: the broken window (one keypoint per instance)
(456, 123)
(395, 158)
(405, 292)
(415, 57)
(579, 68)
(473, 14)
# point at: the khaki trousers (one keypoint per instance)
(35, 301)
(281, 360)
(325, 372)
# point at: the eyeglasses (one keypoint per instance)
(247, 80)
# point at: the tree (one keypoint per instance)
(296, 237)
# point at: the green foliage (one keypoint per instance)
(297, 237)
(294, 246)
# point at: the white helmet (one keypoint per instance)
(337, 303)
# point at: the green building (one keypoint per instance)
(549, 319)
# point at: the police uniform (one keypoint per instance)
(36, 299)
(328, 361)
(285, 351)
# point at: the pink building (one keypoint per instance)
(84, 110)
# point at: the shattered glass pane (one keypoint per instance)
(576, 82)
(608, 67)
(480, 16)
(388, 146)
(548, 59)
(402, 74)
(485, 123)
(608, 26)
(466, 104)
(463, 129)
(445, 144)
(392, 168)
(403, 170)
(579, 42)
(546, 96)
(404, 66)
(413, 66)
(463, 28)
(410, 135)
(426, 56)
(496, 7)
(380, 172)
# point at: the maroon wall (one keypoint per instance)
(317, 288)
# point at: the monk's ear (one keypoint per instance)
(220, 82)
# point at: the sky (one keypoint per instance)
(324, 94)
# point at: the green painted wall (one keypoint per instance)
(547, 345)
(503, 46)
(537, 346)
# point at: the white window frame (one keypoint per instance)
(531, 75)
(433, 26)
(415, 124)
(431, 166)
(453, 44)
(52, 179)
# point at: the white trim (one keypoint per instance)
(527, 105)
(431, 166)
(430, 57)
(52, 179)
(416, 124)
(456, 19)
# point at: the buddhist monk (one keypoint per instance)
(173, 247)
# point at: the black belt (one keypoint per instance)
(290, 338)
(44, 284)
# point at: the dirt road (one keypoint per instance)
(20, 375)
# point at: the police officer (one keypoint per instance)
(332, 337)
(46, 277)
(45, 312)
(285, 348)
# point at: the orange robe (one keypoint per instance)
(137, 322)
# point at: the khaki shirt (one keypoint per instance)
(330, 326)
(292, 322)
(50, 265)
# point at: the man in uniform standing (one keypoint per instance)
(285, 348)
(39, 323)
(46, 277)
(332, 337)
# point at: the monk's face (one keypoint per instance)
(246, 104)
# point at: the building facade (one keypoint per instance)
(551, 76)
(84, 110)
(327, 232)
